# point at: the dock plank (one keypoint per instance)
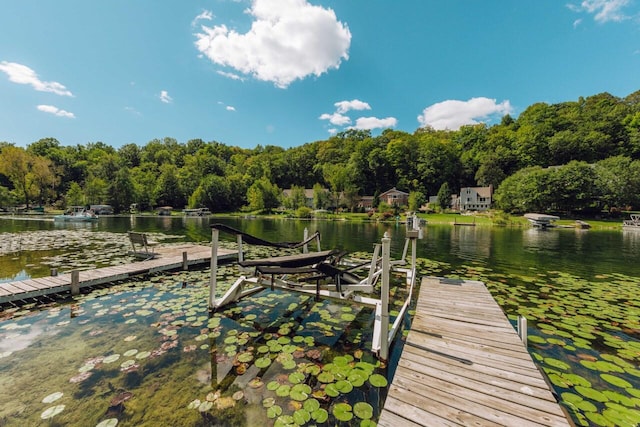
(167, 258)
(463, 364)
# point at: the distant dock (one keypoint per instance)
(463, 364)
(167, 258)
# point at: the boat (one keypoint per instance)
(197, 212)
(541, 220)
(77, 214)
(633, 223)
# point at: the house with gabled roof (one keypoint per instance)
(475, 198)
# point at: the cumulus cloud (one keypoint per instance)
(339, 117)
(230, 108)
(164, 97)
(368, 123)
(56, 111)
(355, 104)
(452, 114)
(24, 75)
(288, 40)
(603, 10)
(336, 119)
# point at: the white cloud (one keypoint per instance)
(368, 123)
(164, 97)
(355, 104)
(336, 119)
(206, 15)
(56, 111)
(288, 40)
(22, 74)
(452, 114)
(576, 23)
(232, 76)
(603, 10)
(230, 108)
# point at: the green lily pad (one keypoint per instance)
(311, 405)
(274, 411)
(320, 415)
(331, 390)
(344, 386)
(296, 377)
(617, 381)
(378, 380)
(268, 402)
(363, 410)
(263, 362)
(245, 357)
(299, 392)
(301, 417)
(342, 412)
(591, 394)
(325, 377)
(283, 390)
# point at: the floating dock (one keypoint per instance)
(463, 364)
(165, 258)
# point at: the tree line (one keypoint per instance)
(574, 156)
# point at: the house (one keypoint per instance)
(308, 196)
(365, 203)
(394, 197)
(475, 198)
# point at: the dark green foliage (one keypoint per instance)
(355, 163)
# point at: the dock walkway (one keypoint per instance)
(463, 364)
(167, 258)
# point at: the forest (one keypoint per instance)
(574, 157)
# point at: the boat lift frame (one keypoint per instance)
(380, 268)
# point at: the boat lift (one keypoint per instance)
(334, 277)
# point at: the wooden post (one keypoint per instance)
(522, 329)
(384, 297)
(305, 236)
(214, 268)
(240, 252)
(185, 263)
(54, 272)
(75, 282)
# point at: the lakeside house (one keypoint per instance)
(475, 198)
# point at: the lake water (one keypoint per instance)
(579, 290)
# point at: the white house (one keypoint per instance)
(475, 198)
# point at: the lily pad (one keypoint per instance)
(52, 412)
(274, 411)
(342, 411)
(109, 422)
(263, 362)
(363, 410)
(378, 380)
(53, 397)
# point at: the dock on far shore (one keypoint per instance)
(463, 364)
(165, 258)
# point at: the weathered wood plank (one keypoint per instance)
(166, 259)
(464, 364)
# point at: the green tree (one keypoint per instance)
(263, 195)
(416, 200)
(444, 196)
(295, 199)
(168, 191)
(75, 195)
(213, 192)
(96, 191)
(320, 197)
(122, 191)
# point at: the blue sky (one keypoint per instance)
(288, 72)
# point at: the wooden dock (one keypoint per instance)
(463, 364)
(167, 258)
